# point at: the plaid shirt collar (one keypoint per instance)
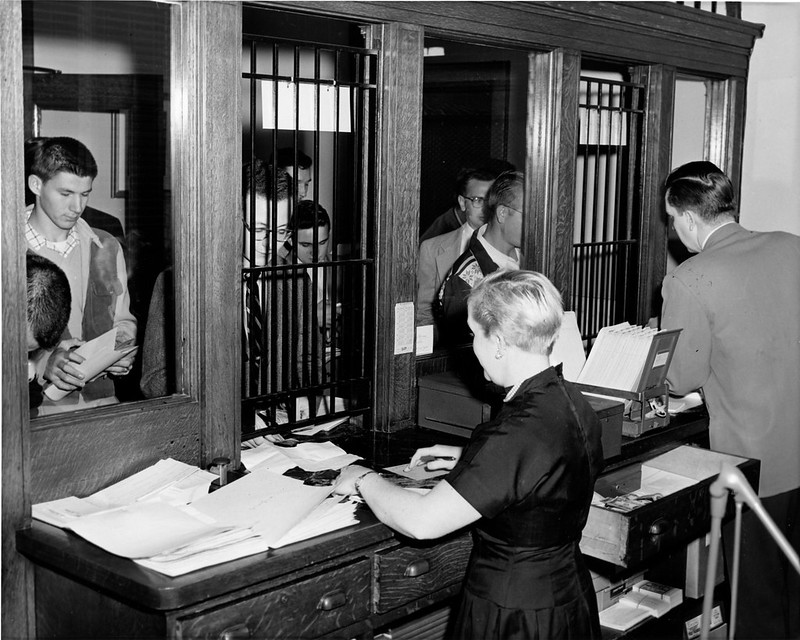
(37, 241)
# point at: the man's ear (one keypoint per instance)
(35, 184)
(500, 212)
(462, 203)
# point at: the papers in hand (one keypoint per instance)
(99, 354)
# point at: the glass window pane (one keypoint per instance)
(474, 104)
(98, 73)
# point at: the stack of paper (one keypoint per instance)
(646, 599)
(618, 356)
(165, 519)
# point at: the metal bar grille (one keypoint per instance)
(308, 351)
(607, 217)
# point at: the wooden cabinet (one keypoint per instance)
(343, 584)
(309, 608)
(405, 573)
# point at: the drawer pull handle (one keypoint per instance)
(236, 632)
(417, 568)
(332, 600)
(660, 527)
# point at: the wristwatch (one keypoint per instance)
(357, 483)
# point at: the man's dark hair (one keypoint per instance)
(49, 300)
(472, 173)
(51, 156)
(259, 176)
(702, 187)
(487, 172)
(503, 191)
(308, 214)
(285, 157)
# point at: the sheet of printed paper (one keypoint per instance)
(144, 529)
(269, 503)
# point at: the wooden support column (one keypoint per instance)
(17, 599)
(553, 83)
(724, 126)
(659, 82)
(397, 184)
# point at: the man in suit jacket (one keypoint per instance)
(738, 304)
(493, 246)
(438, 253)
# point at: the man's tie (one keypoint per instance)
(255, 320)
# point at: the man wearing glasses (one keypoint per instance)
(283, 349)
(493, 246)
(437, 254)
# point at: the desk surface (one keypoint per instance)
(70, 555)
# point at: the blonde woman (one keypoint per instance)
(525, 478)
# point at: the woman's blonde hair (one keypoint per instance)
(521, 306)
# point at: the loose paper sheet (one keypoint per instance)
(144, 529)
(568, 348)
(264, 501)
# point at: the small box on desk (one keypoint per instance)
(446, 404)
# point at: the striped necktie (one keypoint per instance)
(255, 321)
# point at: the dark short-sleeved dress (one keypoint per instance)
(530, 473)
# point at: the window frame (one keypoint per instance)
(69, 452)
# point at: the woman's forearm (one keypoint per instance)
(437, 513)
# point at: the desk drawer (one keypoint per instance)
(406, 573)
(629, 538)
(305, 609)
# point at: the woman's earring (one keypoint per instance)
(498, 355)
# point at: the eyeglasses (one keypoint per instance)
(261, 233)
(512, 208)
(475, 200)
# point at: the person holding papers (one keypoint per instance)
(60, 177)
(738, 304)
(525, 479)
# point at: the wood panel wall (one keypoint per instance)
(17, 602)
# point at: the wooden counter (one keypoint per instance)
(343, 584)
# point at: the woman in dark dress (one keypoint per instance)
(526, 477)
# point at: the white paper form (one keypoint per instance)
(568, 348)
(310, 456)
(144, 529)
(264, 501)
(181, 566)
(662, 482)
(168, 481)
(336, 512)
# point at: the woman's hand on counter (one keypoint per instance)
(345, 483)
(435, 458)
